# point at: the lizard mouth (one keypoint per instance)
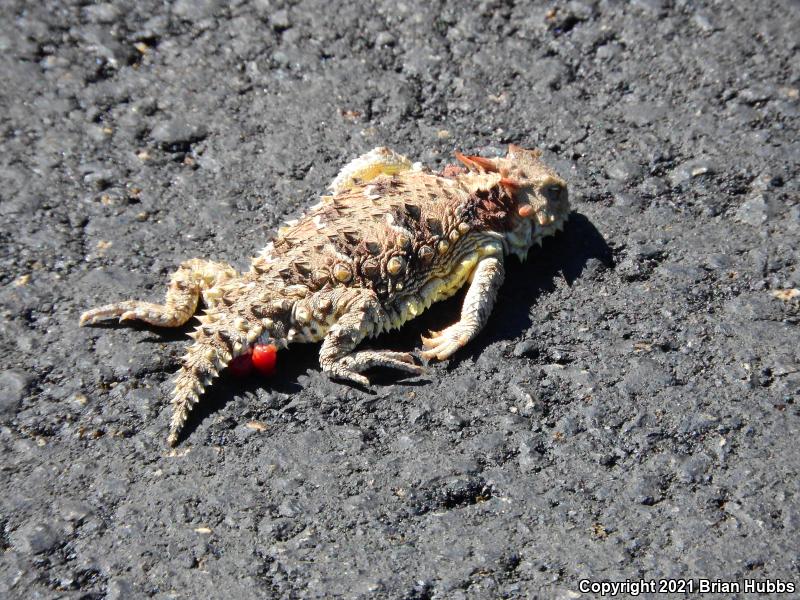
(545, 227)
(534, 229)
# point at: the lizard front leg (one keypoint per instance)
(337, 356)
(478, 303)
(191, 279)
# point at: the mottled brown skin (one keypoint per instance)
(392, 239)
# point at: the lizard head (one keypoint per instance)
(541, 200)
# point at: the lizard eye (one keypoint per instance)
(552, 192)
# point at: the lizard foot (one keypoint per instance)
(350, 367)
(442, 344)
(132, 310)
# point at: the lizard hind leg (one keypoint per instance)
(337, 356)
(186, 285)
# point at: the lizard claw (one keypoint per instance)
(433, 336)
(350, 376)
(445, 343)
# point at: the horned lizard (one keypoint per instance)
(392, 239)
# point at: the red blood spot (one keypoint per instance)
(241, 365)
(265, 356)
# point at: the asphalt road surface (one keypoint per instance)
(630, 412)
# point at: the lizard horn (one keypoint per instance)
(477, 163)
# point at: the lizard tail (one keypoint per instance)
(213, 350)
